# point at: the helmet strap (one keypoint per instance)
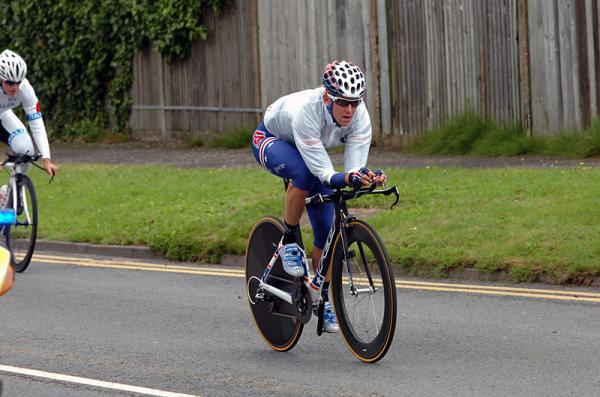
(330, 109)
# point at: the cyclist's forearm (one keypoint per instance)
(38, 130)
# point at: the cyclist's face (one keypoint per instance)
(343, 114)
(10, 89)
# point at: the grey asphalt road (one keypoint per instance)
(192, 333)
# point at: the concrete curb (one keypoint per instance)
(143, 252)
(120, 251)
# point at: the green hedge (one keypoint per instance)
(79, 53)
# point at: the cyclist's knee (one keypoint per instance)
(20, 142)
(304, 180)
(296, 191)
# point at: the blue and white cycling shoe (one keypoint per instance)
(293, 259)
(330, 323)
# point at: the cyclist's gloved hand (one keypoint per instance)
(380, 177)
(360, 178)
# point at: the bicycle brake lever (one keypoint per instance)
(397, 194)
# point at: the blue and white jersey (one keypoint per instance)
(26, 97)
(303, 119)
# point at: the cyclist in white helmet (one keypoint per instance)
(291, 143)
(16, 91)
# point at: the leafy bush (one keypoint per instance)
(80, 54)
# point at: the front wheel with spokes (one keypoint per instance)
(21, 237)
(364, 292)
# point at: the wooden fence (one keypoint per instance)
(216, 88)
(297, 38)
(425, 60)
(564, 42)
(449, 55)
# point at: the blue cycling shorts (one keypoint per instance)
(283, 159)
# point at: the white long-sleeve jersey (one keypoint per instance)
(302, 118)
(26, 97)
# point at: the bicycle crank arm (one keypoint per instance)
(276, 291)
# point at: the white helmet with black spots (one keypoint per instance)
(12, 67)
(343, 79)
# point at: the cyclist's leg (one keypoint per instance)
(15, 135)
(283, 159)
(321, 219)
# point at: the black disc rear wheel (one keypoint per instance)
(276, 319)
(21, 237)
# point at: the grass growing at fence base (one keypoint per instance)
(235, 138)
(470, 134)
(529, 222)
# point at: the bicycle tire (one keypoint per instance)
(280, 333)
(22, 236)
(368, 320)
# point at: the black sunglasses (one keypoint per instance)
(344, 102)
(8, 82)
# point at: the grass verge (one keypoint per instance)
(529, 222)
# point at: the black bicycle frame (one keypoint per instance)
(338, 228)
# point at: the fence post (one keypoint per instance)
(384, 69)
(161, 95)
(524, 63)
(256, 59)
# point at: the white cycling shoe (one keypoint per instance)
(293, 259)
(330, 323)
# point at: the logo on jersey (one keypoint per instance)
(33, 116)
(257, 138)
(36, 115)
(15, 133)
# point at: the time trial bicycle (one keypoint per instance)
(362, 282)
(21, 233)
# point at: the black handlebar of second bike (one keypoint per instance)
(21, 158)
(340, 195)
(25, 159)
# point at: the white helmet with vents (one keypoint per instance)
(345, 80)
(12, 67)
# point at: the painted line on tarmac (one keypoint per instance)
(89, 382)
(130, 265)
(552, 294)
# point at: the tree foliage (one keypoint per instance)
(79, 53)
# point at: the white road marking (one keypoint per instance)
(90, 382)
